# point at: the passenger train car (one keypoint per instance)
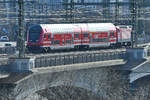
(86, 35)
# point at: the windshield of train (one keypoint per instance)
(34, 34)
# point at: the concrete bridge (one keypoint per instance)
(89, 76)
(85, 76)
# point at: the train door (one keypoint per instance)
(105, 38)
(112, 37)
(85, 39)
(57, 41)
(68, 41)
(49, 39)
(77, 39)
(46, 40)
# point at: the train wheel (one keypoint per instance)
(46, 49)
(118, 45)
(86, 47)
(76, 47)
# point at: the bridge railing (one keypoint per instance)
(4, 53)
(7, 50)
(3, 62)
(148, 52)
(56, 60)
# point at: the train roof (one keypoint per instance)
(61, 28)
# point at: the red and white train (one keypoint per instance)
(85, 35)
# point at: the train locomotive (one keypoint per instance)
(46, 37)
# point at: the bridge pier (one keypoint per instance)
(133, 54)
(21, 64)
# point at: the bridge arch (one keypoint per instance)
(85, 79)
(138, 76)
(63, 93)
(35, 90)
(142, 80)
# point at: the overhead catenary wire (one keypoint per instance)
(83, 13)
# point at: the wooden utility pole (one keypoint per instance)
(20, 35)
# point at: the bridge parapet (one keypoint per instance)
(7, 50)
(66, 59)
(133, 54)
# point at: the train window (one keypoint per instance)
(57, 42)
(34, 33)
(105, 39)
(112, 33)
(63, 42)
(76, 35)
(49, 36)
(100, 40)
(68, 41)
(86, 35)
(52, 42)
(44, 36)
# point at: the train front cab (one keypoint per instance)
(123, 36)
(34, 38)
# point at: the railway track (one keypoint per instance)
(57, 53)
(72, 52)
(55, 58)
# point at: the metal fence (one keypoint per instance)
(56, 60)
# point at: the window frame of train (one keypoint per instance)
(86, 35)
(45, 36)
(49, 36)
(66, 41)
(76, 36)
(54, 43)
(112, 34)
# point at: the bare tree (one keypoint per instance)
(115, 86)
(110, 86)
(142, 92)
